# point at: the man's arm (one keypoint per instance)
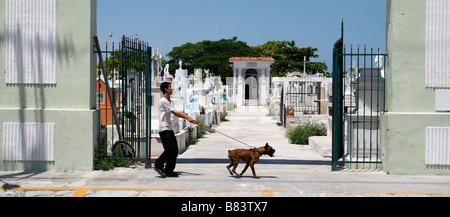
(185, 116)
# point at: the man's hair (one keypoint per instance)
(164, 86)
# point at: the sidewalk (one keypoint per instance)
(295, 171)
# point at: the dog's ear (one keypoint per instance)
(267, 145)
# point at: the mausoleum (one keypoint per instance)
(251, 80)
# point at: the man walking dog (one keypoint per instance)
(168, 139)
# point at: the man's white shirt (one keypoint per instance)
(165, 110)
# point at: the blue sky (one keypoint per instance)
(170, 23)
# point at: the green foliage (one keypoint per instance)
(301, 134)
(215, 55)
(290, 58)
(191, 140)
(102, 162)
(212, 55)
(202, 128)
(223, 117)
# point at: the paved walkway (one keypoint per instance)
(295, 171)
(252, 126)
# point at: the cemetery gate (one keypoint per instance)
(358, 99)
(124, 101)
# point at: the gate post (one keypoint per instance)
(338, 101)
(148, 102)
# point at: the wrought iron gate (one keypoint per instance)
(359, 96)
(125, 106)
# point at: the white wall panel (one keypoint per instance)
(438, 146)
(438, 44)
(28, 141)
(443, 100)
(31, 41)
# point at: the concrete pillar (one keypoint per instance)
(240, 89)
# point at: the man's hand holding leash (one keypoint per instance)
(185, 116)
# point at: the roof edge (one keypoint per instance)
(251, 59)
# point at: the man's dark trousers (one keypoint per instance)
(170, 154)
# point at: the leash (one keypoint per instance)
(237, 140)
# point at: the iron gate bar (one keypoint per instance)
(351, 91)
(134, 71)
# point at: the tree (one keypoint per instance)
(212, 55)
(215, 55)
(112, 62)
(290, 58)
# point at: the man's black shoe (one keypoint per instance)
(161, 172)
(172, 174)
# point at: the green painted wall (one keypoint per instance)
(410, 104)
(70, 104)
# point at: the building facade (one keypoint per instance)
(416, 125)
(48, 117)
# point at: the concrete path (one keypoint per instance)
(295, 171)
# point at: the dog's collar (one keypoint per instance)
(258, 152)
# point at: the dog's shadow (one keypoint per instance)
(182, 173)
(252, 177)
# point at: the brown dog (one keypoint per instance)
(250, 156)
